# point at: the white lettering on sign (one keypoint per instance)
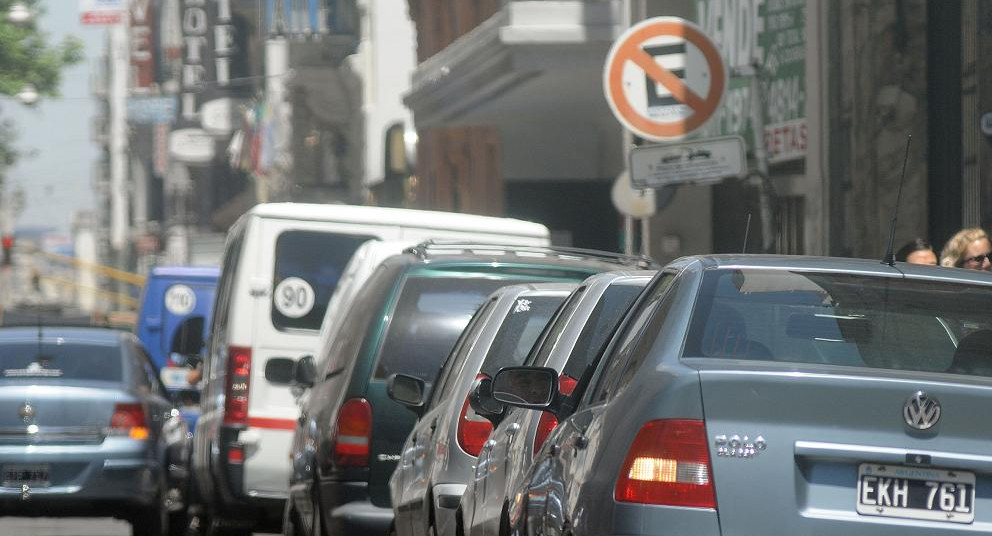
(734, 25)
(180, 300)
(294, 297)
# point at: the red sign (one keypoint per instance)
(664, 78)
(142, 44)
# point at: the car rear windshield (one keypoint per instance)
(519, 330)
(843, 319)
(429, 316)
(307, 268)
(615, 301)
(54, 363)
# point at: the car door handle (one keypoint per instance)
(433, 425)
(512, 429)
(580, 442)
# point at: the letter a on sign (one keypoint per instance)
(664, 78)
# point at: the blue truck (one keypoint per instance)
(176, 305)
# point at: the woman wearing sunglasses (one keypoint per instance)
(969, 248)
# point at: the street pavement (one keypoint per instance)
(70, 526)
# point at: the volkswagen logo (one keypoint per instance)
(921, 411)
(26, 412)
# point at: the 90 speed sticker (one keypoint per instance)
(180, 300)
(294, 297)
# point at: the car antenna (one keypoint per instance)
(890, 256)
(747, 230)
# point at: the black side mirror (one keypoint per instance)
(305, 372)
(407, 390)
(483, 404)
(279, 370)
(527, 387)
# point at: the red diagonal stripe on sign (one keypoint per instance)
(663, 76)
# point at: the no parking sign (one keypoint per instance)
(664, 78)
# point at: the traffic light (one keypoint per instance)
(8, 247)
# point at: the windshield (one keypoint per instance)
(519, 330)
(427, 320)
(54, 363)
(843, 319)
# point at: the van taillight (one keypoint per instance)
(129, 420)
(473, 430)
(238, 383)
(668, 463)
(354, 433)
(548, 421)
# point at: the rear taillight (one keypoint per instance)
(548, 422)
(236, 454)
(473, 430)
(354, 434)
(238, 383)
(668, 463)
(129, 420)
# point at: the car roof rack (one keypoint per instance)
(425, 250)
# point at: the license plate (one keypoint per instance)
(174, 377)
(17, 475)
(916, 493)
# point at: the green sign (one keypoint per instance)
(773, 33)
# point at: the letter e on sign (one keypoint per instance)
(664, 78)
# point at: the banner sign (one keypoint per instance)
(142, 39)
(149, 110)
(773, 32)
(102, 12)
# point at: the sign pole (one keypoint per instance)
(627, 141)
(645, 222)
(761, 157)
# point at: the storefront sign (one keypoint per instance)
(102, 12)
(142, 44)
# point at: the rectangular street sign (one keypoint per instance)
(655, 166)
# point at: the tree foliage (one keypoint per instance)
(27, 56)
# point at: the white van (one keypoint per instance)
(282, 263)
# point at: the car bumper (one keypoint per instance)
(120, 471)
(347, 509)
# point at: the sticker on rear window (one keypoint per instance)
(294, 297)
(522, 306)
(180, 300)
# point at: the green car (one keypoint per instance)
(405, 320)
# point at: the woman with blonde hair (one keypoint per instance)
(969, 248)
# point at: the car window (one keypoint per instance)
(358, 325)
(843, 319)
(611, 365)
(615, 301)
(147, 370)
(428, 318)
(518, 331)
(49, 362)
(553, 330)
(307, 268)
(466, 341)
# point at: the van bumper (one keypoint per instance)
(347, 509)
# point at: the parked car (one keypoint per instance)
(773, 395)
(411, 311)
(88, 430)
(282, 263)
(428, 482)
(573, 338)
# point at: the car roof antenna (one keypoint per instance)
(747, 230)
(890, 256)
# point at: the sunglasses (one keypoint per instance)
(977, 258)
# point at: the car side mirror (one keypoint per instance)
(279, 370)
(527, 387)
(483, 404)
(305, 372)
(408, 391)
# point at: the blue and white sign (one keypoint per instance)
(149, 110)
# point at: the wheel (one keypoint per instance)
(154, 519)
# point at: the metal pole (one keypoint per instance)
(627, 140)
(761, 160)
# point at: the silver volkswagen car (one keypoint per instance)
(440, 453)
(774, 395)
(86, 429)
(574, 337)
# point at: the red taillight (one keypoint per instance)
(473, 430)
(238, 383)
(668, 463)
(354, 433)
(548, 422)
(129, 420)
(236, 454)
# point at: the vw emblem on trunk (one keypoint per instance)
(26, 412)
(921, 411)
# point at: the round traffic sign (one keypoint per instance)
(664, 78)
